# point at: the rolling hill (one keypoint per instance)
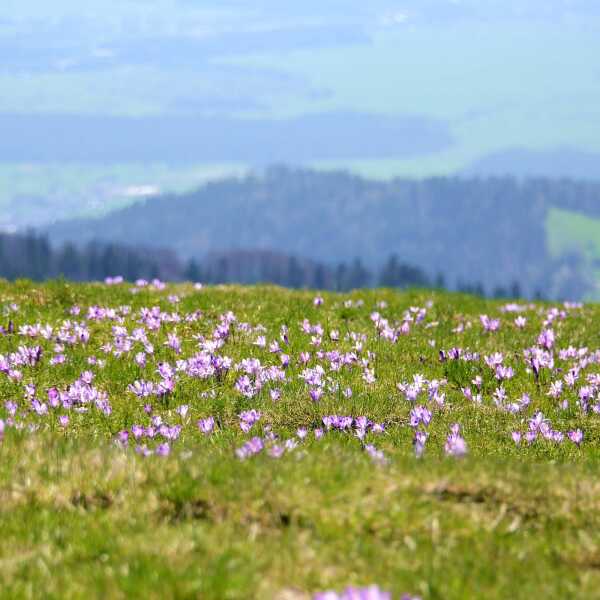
(493, 231)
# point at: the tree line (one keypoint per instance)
(493, 231)
(32, 256)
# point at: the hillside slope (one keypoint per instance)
(493, 230)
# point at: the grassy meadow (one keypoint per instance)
(250, 442)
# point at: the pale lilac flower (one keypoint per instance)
(369, 376)
(248, 418)
(372, 592)
(418, 415)
(546, 339)
(538, 422)
(207, 425)
(419, 442)
(123, 437)
(530, 436)
(183, 410)
(520, 322)
(455, 443)
(245, 386)
(494, 360)
(360, 433)
(489, 324)
(556, 388)
(137, 431)
(291, 444)
(576, 436)
(376, 455)
(304, 357)
(503, 372)
(316, 394)
(163, 449)
(143, 450)
(253, 446)
(276, 451)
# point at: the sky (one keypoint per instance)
(383, 88)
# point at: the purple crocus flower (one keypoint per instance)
(520, 322)
(207, 425)
(143, 450)
(372, 592)
(420, 414)
(546, 339)
(576, 436)
(137, 431)
(316, 394)
(248, 418)
(419, 442)
(455, 443)
(276, 451)
(163, 450)
(182, 410)
(251, 447)
(489, 324)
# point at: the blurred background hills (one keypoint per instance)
(461, 135)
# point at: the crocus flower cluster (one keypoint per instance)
(178, 361)
(372, 592)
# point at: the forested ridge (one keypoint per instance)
(490, 231)
(31, 256)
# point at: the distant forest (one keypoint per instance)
(31, 256)
(492, 231)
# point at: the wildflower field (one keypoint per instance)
(234, 442)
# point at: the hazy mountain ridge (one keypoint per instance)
(522, 162)
(187, 139)
(488, 230)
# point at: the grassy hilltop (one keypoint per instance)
(132, 463)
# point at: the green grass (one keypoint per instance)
(570, 232)
(83, 517)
